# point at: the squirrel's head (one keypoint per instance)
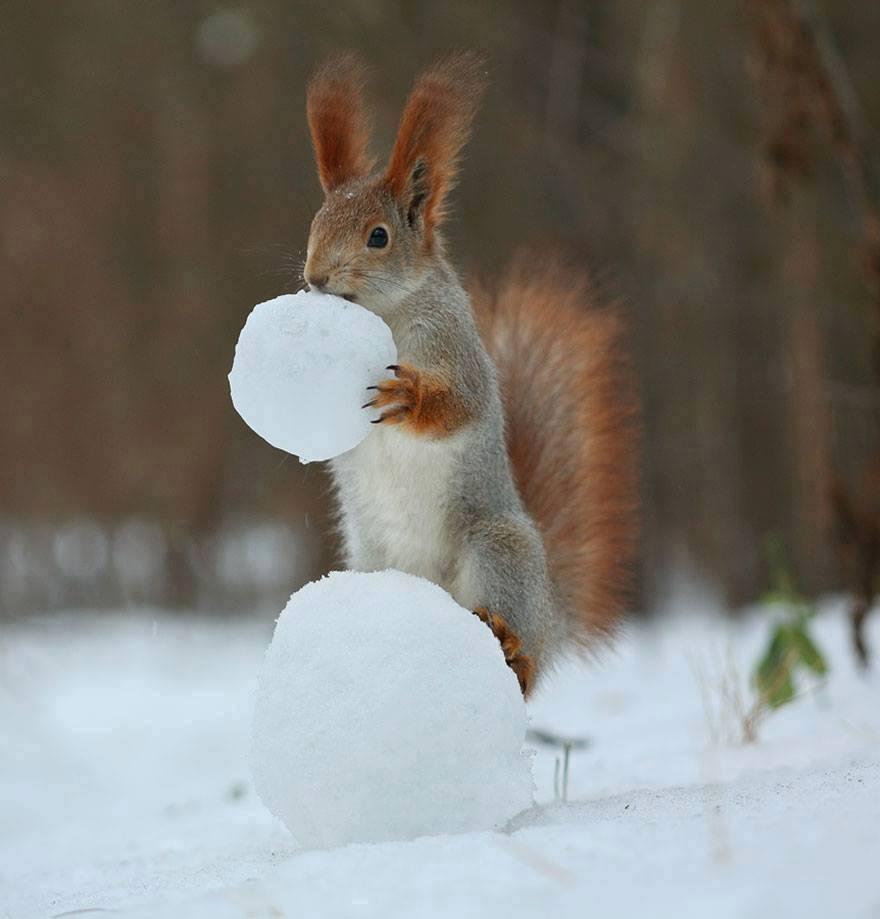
(375, 238)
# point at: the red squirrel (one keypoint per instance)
(503, 464)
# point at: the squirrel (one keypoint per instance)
(503, 465)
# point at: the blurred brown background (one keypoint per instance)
(156, 181)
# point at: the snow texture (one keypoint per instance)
(302, 366)
(125, 792)
(371, 720)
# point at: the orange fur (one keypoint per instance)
(338, 123)
(434, 127)
(521, 664)
(422, 401)
(571, 433)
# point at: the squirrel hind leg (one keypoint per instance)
(521, 664)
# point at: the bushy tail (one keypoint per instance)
(571, 433)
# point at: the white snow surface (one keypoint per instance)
(125, 790)
(302, 366)
(370, 718)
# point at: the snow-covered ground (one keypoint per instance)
(124, 788)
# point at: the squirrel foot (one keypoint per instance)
(402, 395)
(521, 664)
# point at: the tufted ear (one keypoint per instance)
(435, 125)
(338, 121)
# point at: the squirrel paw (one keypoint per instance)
(520, 664)
(400, 397)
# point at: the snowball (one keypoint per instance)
(386, 711)
(302, 366)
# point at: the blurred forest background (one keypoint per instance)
(709, 161)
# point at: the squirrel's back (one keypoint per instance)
(570, 414)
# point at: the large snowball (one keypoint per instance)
(386, 711)
(302, 366)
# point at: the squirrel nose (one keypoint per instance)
(317, 281)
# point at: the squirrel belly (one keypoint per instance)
(393, 494)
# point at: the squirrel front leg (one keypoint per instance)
(423, 401)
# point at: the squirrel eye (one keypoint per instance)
(378, 238)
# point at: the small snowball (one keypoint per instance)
(385, 711)
(302, 366)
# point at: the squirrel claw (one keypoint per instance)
(521, 664)
(393, 415)
(399, 395)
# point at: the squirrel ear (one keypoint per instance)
(338, 121)
(434, 127)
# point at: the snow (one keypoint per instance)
(125, 789)
(302, 366)
(371, 722)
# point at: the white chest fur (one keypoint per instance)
(394, 493)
